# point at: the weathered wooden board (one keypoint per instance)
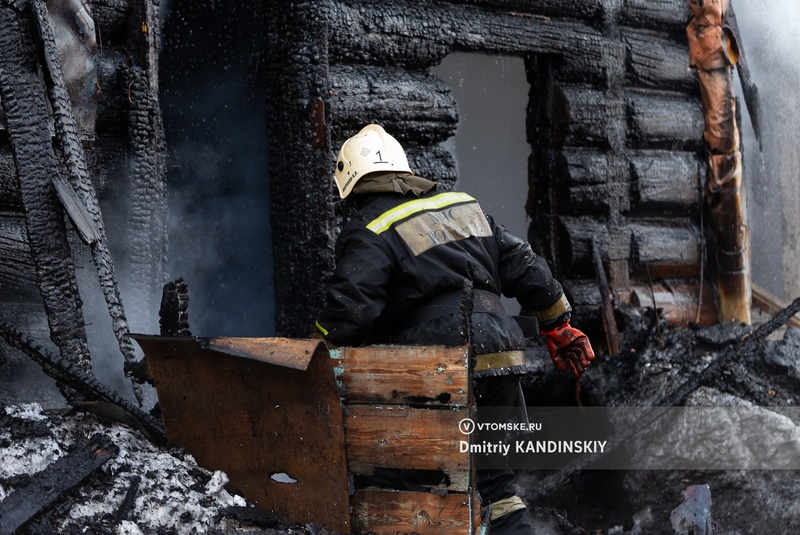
(403, 375)
(397, 436)
(390, 513)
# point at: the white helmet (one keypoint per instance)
(370, 150)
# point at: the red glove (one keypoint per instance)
(569, 349)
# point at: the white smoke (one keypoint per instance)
(768, 31)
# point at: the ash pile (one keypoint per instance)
(66, 471)
(729, 469)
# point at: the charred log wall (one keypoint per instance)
(615, 123)
(124, 156)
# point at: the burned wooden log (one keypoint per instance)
(592, 10)
(17, 267)
(665, 181)
(411, 106)
(78, 194)
(101, 400)
(657, 62)
(434, 163)
(111, 18)
(666, 248)
(10, 200)
(367, 33)
(661, 15)
(47, 487)
(581, 117)
(659, 120)
(174, 310)
(25, 107)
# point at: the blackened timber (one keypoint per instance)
(606, 309)
(662, 15)
(585, 9)
(434, 163)
(586, 167)
(581, 117)
(106, 401)
(420, 34)
(110, 17)
(25, 107)
(301, 193)
(412, 106)
(78, 194)
(666, 180)
(658, 62)
(146, 226)
(663, 120)
(17, 269)
(666, 248)
(575, 235)
(9, 185)
(47, 487)
(713, 374)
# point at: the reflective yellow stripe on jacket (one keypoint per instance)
(384, 221)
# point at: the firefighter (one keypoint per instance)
(402, 263)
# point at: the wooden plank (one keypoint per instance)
(659, 119)
(46, 487)
(390, 513)
(403, 375)
(395, 436)
(765, 301)
(410, 105)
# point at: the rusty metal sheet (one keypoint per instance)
(265, 411)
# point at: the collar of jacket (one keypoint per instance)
(403, 183)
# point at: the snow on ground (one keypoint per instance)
(174, 496)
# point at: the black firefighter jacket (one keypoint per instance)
(401, 267)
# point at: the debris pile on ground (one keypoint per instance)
(141, 489)
(742, 370)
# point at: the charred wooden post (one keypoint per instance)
(100, 399)
(713, 51)
(174, 311)
(146, 238)
(49, 485)
(300, 169)
(25, 108)
(84, 201)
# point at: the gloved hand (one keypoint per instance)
(569, 348)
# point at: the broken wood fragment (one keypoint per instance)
(736, 352)
(45, 488)
(606, 307)
(63, 371)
